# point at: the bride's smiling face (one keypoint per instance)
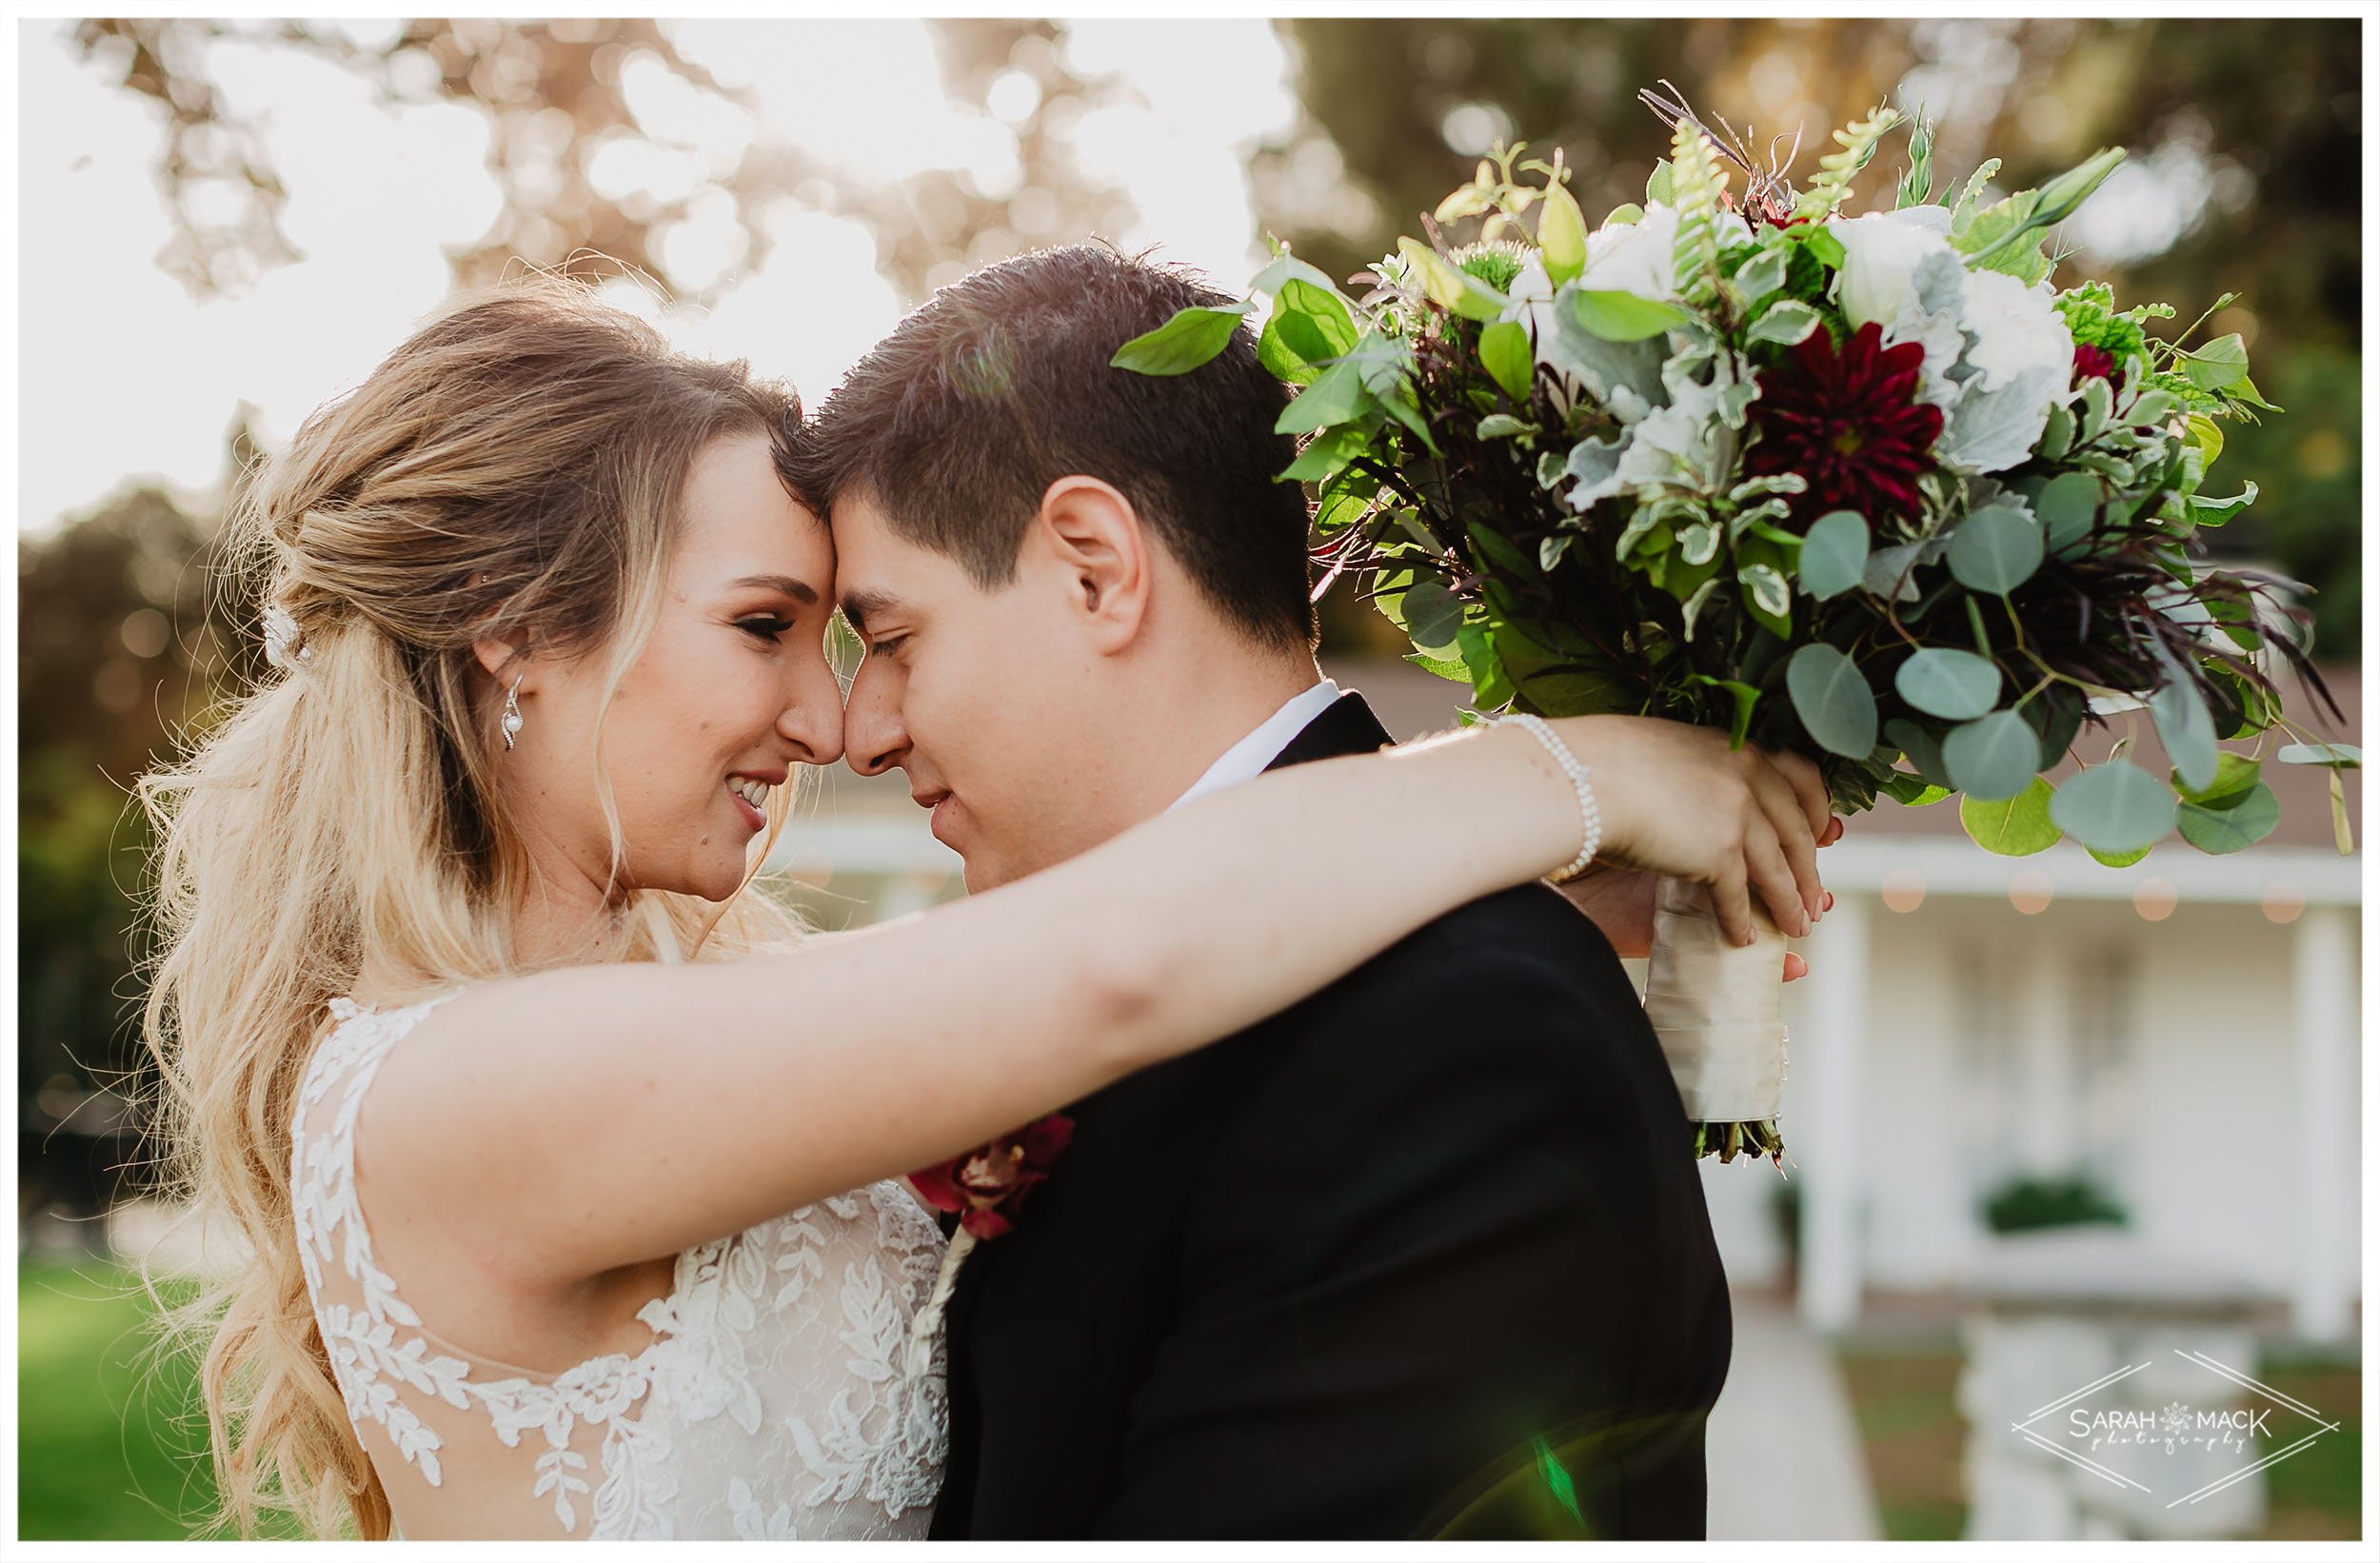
(731, 691)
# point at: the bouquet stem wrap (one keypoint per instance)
(1717, 1007)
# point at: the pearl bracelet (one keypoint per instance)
(1589, 814)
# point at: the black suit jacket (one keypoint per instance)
(1423, 1254)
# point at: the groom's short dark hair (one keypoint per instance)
(956, 425)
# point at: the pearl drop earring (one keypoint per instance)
(511, 722)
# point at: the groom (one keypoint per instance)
(1424, 1255)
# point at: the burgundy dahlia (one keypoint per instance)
(2096, 364)
(989, 1182)
(1848, 422)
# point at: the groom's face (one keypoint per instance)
(983, 697)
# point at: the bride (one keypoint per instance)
(565, 1166)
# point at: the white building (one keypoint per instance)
(2183, 1032)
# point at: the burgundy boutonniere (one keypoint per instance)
(987, 1185)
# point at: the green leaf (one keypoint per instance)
(1445, 667)
(1993, 756)
(1491, 687)
(1661, 185)
(1324, 455)
(1943, 682)
(1339, 396)
(2246, 819)
(1995, 550)
(1309, 328)
(2013, 827)
(1504, 353)
(1501, 426)
(2208, 436)
(1192, 337)
(1828, 248)
(2206, 512)
(1746, 697)
(1787, 321)
(1285, 266)
(1833, 554)
(2114, 807)
(2220, 363)
(2343, 756)
(1624, 317)
(1561, 236)
(2118, 859)
(1833, 699)
(1431, 616)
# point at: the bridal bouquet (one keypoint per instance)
(1861, 486)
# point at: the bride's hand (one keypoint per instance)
(1676, 800)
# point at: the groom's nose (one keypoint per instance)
(874, 740)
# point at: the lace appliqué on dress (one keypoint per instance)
(742, 1325)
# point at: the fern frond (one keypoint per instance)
(1697, 183)
(1832, 183)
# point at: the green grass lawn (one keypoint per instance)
(110, 1444)
(1915, 1441)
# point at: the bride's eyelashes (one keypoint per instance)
(766, 626)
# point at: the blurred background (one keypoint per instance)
(2032, 1101)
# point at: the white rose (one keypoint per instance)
(1881, 254)
(2016, 329)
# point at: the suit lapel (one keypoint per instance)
(1346, 726)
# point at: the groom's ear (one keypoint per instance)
(1101, 550)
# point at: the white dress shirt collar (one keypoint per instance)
(1246, 759)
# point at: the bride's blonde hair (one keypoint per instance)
(514, 468)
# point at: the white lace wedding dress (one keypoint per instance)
(781, 1398)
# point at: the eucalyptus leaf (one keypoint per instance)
(2013, 827)
(2118, 859)
(2234, 775)
(1833, 554)
(1992, 757)
(2067, 507)
(2346, 756)
(1624, 317)
(1433, 615)
(1945, 682)
(1995, 550)
(1833, 699)
(2246, 818)
(1920, 748)
(1504, 353)
(2184, 725)
(2114, 807)
(1192, 337)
